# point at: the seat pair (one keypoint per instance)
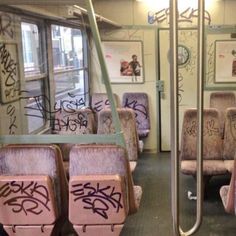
(34, 190)
(222, 101)
(138, 102)
(218, 153)
(82, 122)
(213, 162)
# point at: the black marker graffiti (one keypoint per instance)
(208, 130)
(9, 73)
(187, 15)
(98, 106)
(42, 103)
(11, 110)
(66, 110)
(6, 25)
(139, 109)
(28, 198)
(66, 123)
(97, 199)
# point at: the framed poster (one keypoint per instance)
(124, 61)
(225, 61)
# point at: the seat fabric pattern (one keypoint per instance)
(128, 126)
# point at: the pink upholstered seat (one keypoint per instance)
(128, 126)
(101, 189)
(221, 101)
(139, 103)
(99, 102)
(227, 193)
(229, 142)
(212, 143)
(33, 190)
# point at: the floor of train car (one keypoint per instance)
(154, 215)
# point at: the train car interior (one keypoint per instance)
(117, 117)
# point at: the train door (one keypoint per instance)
(187, 61)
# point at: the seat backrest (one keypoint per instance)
(75, 122)
(229, 142)
(227, 193)
(99, 101)
(139, 103)
(128, 126)
(212, 142)
(33, 186)
(92, 165)
(221, 101)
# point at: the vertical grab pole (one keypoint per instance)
(174, 115)
(200, 104)
(97, 40)
(175, 120)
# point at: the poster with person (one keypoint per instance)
(124, 61)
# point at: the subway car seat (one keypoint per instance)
(213, 163)
(139, 103)
(229, 142)
(33, 190)
(128, 126)
(221, 101)
(227, 193)
(101, 190)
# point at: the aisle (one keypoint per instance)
(154, 216)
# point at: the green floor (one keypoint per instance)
(154, 216)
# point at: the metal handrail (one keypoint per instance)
(97, 41)
(175, 160)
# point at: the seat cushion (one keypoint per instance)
(210, 167)
(143, 133)
(132, 165)
(223, 194)
(229, 165)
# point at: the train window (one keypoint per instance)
(68, 62)
(31, 50)
(35, 105)
(35, 76)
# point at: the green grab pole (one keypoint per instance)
(97, 40)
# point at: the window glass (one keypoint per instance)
(35, 109)
(68, 64)
(31, 49)
(35, 98)
(67, 46)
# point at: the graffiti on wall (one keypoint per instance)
(9, 73)
(188, 15)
